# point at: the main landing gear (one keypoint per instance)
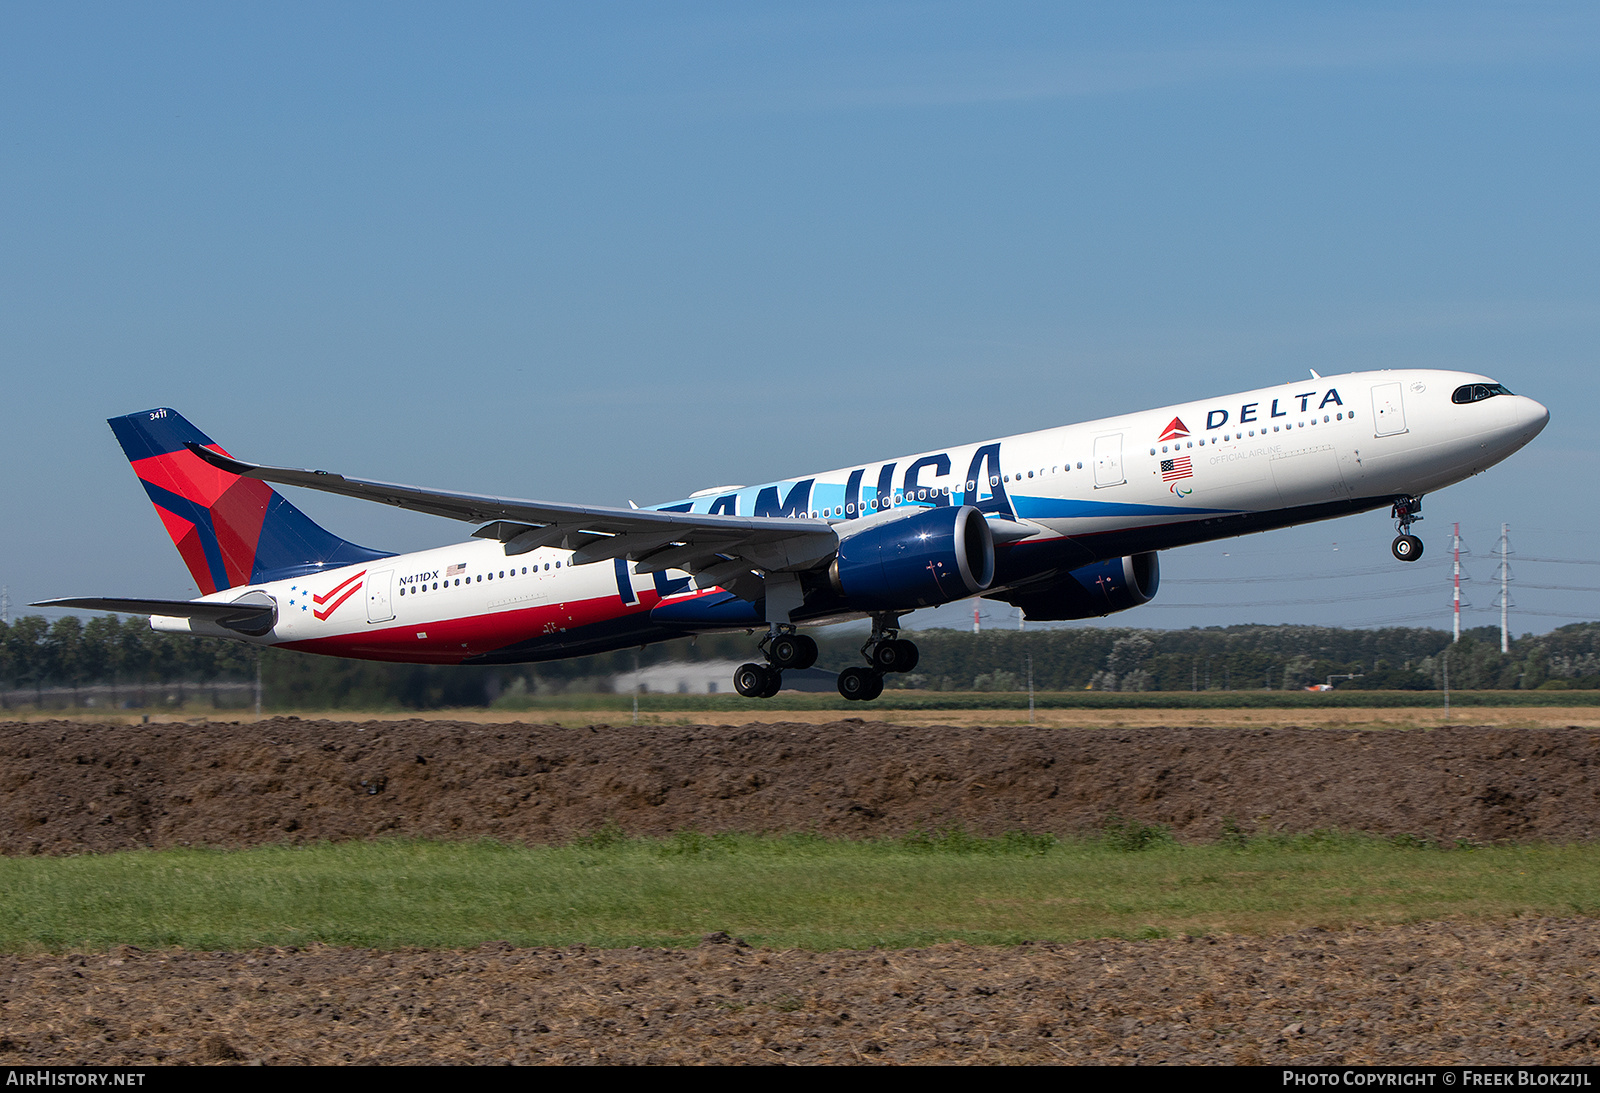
(1406, 511)
(885, 651)
(783, 648)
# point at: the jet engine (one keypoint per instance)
(1100, 588)
(929, 557)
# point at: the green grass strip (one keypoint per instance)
(782, 892)
(1056, 700)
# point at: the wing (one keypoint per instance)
(718, 550)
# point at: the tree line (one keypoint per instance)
(121, 660)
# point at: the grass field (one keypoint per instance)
(781, 892)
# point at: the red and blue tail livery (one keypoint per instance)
(1065, 523)
(230, 530)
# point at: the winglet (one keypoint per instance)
(220, 461)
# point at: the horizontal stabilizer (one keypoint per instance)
(247, 616)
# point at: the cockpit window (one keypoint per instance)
(1477, 392)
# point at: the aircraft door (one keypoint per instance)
(380, 596)
(1388, 410)
(1108, 461)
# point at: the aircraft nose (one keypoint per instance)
(1534, 416)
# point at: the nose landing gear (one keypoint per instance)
(1406, 511)
(1408, 548)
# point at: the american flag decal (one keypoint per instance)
(453, 570)
(1174, 469)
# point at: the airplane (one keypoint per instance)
(1065, 523)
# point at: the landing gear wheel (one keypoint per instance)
(774, 683)
(1408, 548)
(895, 656)
(1407, 510)
(908, 655)
(792, 651)
(757, 681)
(860, 684)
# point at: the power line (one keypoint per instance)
(1554, 587)
(1369, 571)
(1314, 601)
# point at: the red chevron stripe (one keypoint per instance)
(322, 616)
(334, 591)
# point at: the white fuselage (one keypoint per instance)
(1144, 481)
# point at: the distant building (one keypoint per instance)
(709, 677)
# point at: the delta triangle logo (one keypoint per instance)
(1174, 430)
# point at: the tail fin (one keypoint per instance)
(230, 530)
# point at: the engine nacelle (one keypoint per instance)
(1094, 590)
(920, 560)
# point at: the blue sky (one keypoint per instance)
(601, 252)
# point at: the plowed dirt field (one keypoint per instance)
(1520, 992)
